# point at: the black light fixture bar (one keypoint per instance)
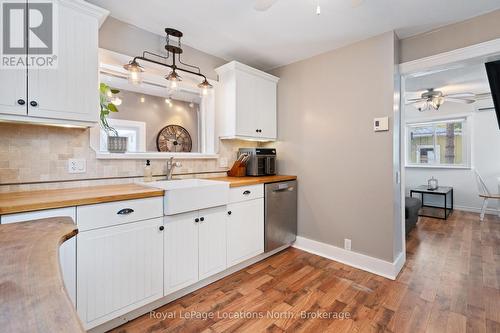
(134, 66)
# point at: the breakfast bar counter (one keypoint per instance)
(32, 293)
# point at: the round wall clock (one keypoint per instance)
(174, 139)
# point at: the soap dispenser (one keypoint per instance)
(148, 173)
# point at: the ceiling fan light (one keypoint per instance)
(437, 102)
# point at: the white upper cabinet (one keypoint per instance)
(67, 93)
(13, 92)
(246, 103)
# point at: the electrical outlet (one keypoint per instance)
(347, 244)
(77, 165)
(223, 163)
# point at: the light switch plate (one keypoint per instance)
(77, 165)
(347, 244)
(381, 124)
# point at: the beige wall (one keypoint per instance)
(473, 31)
(326, 106)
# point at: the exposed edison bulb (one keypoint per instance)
(204, 91)
(172, 85)
(135, 77)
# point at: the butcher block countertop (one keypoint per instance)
(17, 202)
(245, 181)
(32, 294)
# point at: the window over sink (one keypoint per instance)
(158, 119)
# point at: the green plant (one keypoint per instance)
(107, 106)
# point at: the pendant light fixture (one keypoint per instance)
(173, 52)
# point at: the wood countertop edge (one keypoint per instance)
(21, 204)
(248, 181)
(34, 298)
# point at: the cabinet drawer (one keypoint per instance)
(119, 212)
(244, 193)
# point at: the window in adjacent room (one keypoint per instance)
(438, 144)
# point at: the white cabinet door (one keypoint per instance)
(245, 230)
(265, 108)
(119, 269)
(246, 120)
(67, 250)
(71, 90)
(181, 251)
(212, 241)
(13, 92)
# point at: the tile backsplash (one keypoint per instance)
(31, 153)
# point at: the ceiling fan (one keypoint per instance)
(433, 99)
(263, 5)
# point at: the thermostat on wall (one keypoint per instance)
(381, 124)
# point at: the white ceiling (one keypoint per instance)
(470, 78)
(290, 30)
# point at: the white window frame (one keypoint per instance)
(466, 143)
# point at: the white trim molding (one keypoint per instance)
(481, 50)
(373, 265)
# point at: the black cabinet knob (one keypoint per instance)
(21, 101)
(162, 228)
(202, 219)
(33, 103)
(257, 130)
(229, 213)
(197, 220)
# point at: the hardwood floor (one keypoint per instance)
(450, 283)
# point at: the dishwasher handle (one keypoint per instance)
(282, 187)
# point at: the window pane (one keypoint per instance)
(449, 137)
(422, 144)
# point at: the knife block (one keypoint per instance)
(237, 170)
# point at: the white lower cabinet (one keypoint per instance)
(245, 230)
(119, 269)
(181, 251)
(195, 247)
(212, 241)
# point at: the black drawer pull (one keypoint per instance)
(125, 211)
(247, 192)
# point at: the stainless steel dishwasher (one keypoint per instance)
(280, 214)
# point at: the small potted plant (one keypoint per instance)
(116, 143)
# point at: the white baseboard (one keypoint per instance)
(377, 266)
(490, 211)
